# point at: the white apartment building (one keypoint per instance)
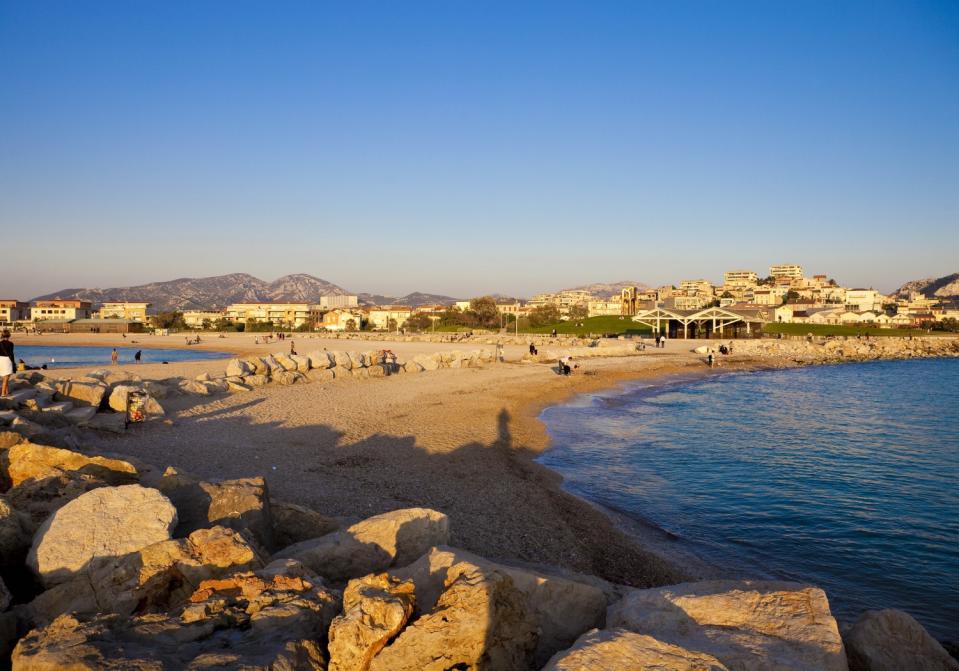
(285, 315)
(786, 271)
(381, 316)
(740, 278)
(864, 300)
(696, 287)
(334, 301)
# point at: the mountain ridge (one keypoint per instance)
(946, 286)
(198, 293)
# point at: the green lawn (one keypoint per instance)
(593, 325)
(839, 330)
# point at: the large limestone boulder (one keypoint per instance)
(620, 649)
(294, 524)
(562, 607)
(239, 368)
(261, 621)
(888, 640)
(358, 359)
(375, 609)
(238, 504)
(285, 377)
(155, 578)
(480, 621)
(256, 380)
(427, 362)
(28, 461)
(342, 360)
(302, 362)
(104, 522)
(748, 625)
(286, 363)
(319, 359)
(81, 394)
(392, 539)
(118, 401)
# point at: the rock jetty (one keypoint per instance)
(108, 564)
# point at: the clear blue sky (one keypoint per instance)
(462, 148)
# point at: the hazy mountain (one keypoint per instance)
(414, 299)
(190, 293)
(933, 287)
(608, 290)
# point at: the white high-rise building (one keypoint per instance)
(786, 271)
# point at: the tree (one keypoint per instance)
(170, 320)
(579, 311)
(207, 324)
(543, 315)
(485, 311)
(391, 324)
(419, 322)
(791, 297)
(350, 324)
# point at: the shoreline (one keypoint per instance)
(464, 441)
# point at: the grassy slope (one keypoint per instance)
(595, 325)
(838, 330)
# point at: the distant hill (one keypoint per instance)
(933, 287)
(201, 293)
(609, 290)
(414, 299)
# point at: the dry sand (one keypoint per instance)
(462, 441)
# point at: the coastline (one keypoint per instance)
(461, 441)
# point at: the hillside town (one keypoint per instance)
(740, 305)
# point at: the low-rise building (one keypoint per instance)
(696, 288)
(60, 310)
(769, 295)
(198, 319)
(12, 310)
(606, 307)
(389, 317)
(863, 300)
(284, 315)
(131, 311)
(342, 319)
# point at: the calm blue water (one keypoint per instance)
(60, 357)
(846, 476)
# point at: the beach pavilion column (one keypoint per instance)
(685, 329)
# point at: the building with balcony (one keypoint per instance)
(740, 278)
(786, 272)
(12, 310)
(60, 310)
(136, 312)
(283, 315)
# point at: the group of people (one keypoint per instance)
(661, 341)
(115, 356)
(193, 341)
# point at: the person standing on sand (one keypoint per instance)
(7, 362)
(136, 357)
(114, 356)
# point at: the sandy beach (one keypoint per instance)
(460, 441)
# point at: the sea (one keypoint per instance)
(62, 357)
(844, 476)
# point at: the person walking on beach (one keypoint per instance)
(7, 362)
(114, 356)
(136, 357)
(709, 359)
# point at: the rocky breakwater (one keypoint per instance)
(835, 350)
(113, 565)
(43, 405)
(324, 366)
